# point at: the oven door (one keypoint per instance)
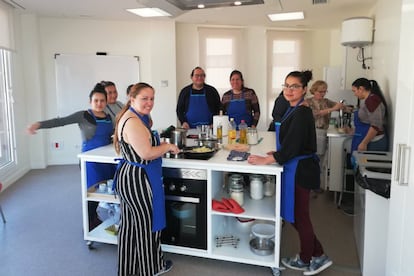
(186, 221)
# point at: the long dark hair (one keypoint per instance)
(237, 72)
(134, 91)
(373, 87)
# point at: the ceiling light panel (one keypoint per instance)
(286, 16)
(193, 4)
(149, 12)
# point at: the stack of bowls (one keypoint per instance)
(262, 243)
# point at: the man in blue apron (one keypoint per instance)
(197, 102)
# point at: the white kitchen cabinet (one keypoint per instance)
(218, 223)
(103, 155)
(338, 147)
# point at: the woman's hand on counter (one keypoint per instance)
(261, 160)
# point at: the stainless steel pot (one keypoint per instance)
(208, 142)
(178, 137)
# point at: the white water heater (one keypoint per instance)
(357, 31)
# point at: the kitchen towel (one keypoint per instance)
(237, 155)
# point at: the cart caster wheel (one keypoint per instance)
(276, 271)
(90, 245)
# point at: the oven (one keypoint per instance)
(186, 207)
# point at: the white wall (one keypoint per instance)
(152, 41)
(168, 51)
(320, 51)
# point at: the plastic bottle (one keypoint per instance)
(219, 132)
(232, 134)
(243, 132)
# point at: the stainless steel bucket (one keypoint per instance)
(178, 137)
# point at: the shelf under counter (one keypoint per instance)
(259, 209)
(99, 233)
(242, 253)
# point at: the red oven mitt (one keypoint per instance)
(232, 205)
(219, 206)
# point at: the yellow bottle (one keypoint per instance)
(243, 132)
(232, 134)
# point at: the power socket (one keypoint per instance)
(57, 145)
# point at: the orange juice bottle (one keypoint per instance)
(232, 135)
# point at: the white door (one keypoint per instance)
(400, 253)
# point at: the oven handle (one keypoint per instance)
(182, 198)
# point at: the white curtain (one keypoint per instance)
(5, 27)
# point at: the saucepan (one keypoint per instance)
(178, 137)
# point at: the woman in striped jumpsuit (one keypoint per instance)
(139, 186)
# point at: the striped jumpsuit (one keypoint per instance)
(139, 249)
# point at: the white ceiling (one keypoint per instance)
(318, 16)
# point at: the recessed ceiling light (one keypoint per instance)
(237, 3)
(149, 12)
(201, 6)
(286, 16)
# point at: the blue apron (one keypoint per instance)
(198, 112)
(361, 130)
(154, 172)
(287, 208)
(237, 110)
(96, 172)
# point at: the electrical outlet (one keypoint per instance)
(57, 145)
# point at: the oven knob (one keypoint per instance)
(183, 188)
(172, 187)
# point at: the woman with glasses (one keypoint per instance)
(296, 151)
(241, 102)
(197, 102)
(322, 109)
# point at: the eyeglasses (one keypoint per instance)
(199, 75)
(291, 87)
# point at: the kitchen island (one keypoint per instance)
(217, 169)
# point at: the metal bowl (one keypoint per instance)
(262, 247)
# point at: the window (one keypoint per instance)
(220, 53)
(7, 153)
(285, 51)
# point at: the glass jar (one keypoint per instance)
(270, 185)
(236, 188)
(252, 136)
(256, 186)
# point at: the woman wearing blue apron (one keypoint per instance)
(96, 131)
(241, 103)
(197, 102)
(139, 186)
(296, 151)
(370, 118)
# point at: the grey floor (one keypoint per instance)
(43, 234)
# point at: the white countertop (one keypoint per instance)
(219, 161)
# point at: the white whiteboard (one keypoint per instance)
(76, 75)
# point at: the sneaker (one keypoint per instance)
(318, 264)
(295, 263)
(168, 266)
